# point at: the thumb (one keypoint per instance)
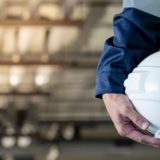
(138, 119)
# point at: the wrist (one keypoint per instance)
(111, 96)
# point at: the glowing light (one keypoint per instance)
(24, 142)
(53, 153)
(15, 76)
(68, 132)
(42, 76)
(8, 142)
(14, 80)
(40, 80)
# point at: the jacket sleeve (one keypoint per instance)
(136, 35)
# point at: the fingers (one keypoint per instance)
(125, 118)
(137, 119)
(130, 132)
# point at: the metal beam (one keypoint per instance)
(24, 94)
(18, 23)
(58, 2)
(83, 63)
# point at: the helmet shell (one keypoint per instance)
(143, 89)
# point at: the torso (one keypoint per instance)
(148, 6)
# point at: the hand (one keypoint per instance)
(126, 119)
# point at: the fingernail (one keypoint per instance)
(145, 125)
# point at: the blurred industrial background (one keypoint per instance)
(49, 50)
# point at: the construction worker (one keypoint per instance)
(136, 36)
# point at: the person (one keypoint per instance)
(136, 36)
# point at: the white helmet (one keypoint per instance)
(143, 89)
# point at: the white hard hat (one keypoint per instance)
(143, 89)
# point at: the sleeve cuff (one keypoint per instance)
(110, 82)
